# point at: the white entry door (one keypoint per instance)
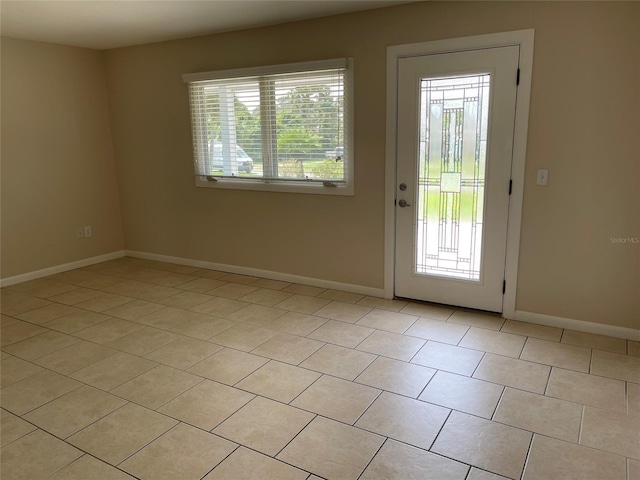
(455, 126)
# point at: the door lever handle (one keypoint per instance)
(403, 203)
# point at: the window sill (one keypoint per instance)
(275, 186)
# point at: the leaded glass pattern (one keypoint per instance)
(454, 114)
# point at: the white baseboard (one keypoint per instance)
(45, 272)
(579, 325)
(255, 272)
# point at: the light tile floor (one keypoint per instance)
(140, 369)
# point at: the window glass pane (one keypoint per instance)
(451, 175)
(287, 127)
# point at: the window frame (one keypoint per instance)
(276, 185)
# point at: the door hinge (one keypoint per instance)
(510, 186)
(504, 286)
(518, 77)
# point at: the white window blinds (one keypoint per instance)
(285, 123)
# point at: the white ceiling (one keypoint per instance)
(103, 24)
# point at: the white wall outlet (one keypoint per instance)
(87, 231)
(79, 232)
(543, 176)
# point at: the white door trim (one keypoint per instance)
(522, 38)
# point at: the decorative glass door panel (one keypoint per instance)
(451, 173)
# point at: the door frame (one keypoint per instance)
(523, 39)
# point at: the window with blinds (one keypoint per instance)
(284, 127)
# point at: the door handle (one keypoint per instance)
(403, 203)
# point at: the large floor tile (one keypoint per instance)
(438, 330)
(536, 413)
(485, 444)
(587, 389)
(34, 391)
(404, 419)
(167, 318)
(186, 300)
(339, 361)
(345, 452)
(257, 315)
(613, 365)
(36, 456)
(40, 345)
(103, 302)
(183, 352)
(220, 307)
(207, 404)
(477, 474)
(448, 358)
(341, 296)
(156, 386)
(75, 357)
(345, 312)
(551, 459)
(288, 348)
(113, 371)
(228, 366)
(89, 468)
(14, 303)
(142, 341)
(303, 303)
(599, 342)
(389, 321)
(243, 337)
(12, 427)
(506, 344)
(463, 393)
(304, 290)
(232, 290)
(270, 284)
(612, 432)
(122, 433)
(278, 381)
(245, 464)
(337, 399)
(43, 315)
(436, 312)
(202, 326)
(340, 333)
(264, 425)
(399, 461)
(513, 373)
(201, 285)
(477, 319)
(133, 310)
(557, 354)
(266, 297)
(295, 323)
(393, 305)
(77, 321)
(392, 345)
(543, 332)
(109, 331)
(14, 369)
(396, 376)
(183, 452)
(19, 331)
(72, 412)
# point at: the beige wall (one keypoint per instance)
(583, 127)
(58, 170)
